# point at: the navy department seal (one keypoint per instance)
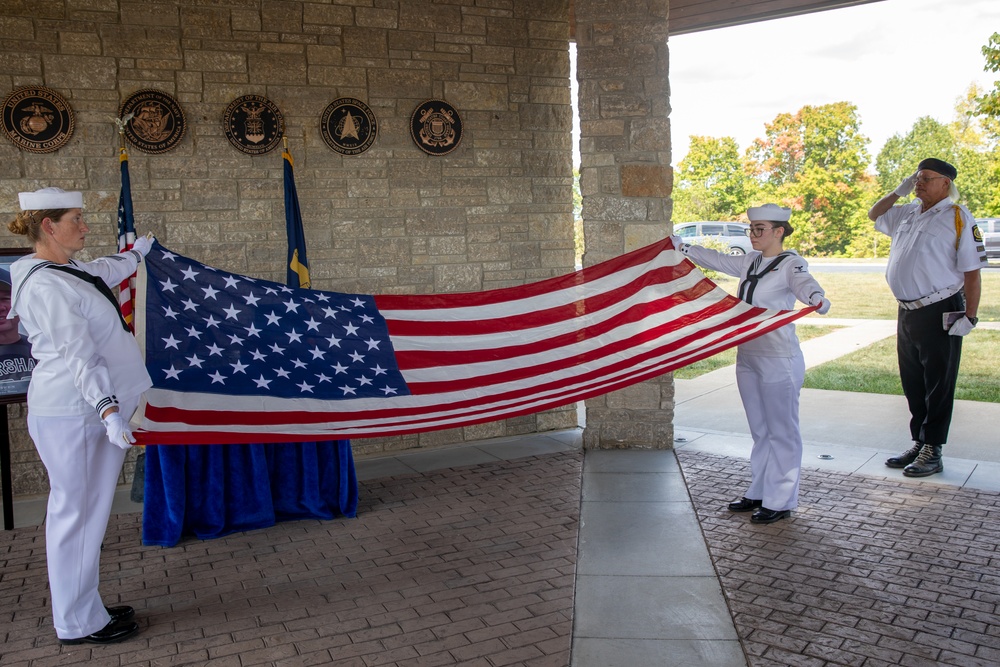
(157, 123)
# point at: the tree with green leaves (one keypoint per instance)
(901, 154)
(989, 103)
(815, 162)
(711, 182)
(968, 142)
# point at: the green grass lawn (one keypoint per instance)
(873, 369)
(728, 358)
(866, 296)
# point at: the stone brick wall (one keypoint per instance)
(626, 180)
(495, 212)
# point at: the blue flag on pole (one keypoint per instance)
(298, 264)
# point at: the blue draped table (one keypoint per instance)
(213, 490)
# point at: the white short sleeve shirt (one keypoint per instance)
(923, 258)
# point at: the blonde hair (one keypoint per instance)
(29, 223)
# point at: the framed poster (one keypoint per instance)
(16, 362)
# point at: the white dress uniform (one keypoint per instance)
(770, 369)
(929, 255)
(86, 362)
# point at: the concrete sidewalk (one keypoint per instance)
(711, 403)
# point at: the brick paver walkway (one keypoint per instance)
(469, 566)
(475, 566)
(868, 571)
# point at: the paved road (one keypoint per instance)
(821, 266)
(824, 265)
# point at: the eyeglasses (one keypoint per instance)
(922, 180)
(758, 231)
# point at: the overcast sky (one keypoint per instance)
(896, 60)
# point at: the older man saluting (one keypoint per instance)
(933, 271)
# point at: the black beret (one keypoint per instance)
(938, 166)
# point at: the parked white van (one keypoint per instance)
(734, 234)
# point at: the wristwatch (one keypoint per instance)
(974, 320)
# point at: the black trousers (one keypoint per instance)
(928, 368)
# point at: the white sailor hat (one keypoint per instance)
(769, 213)
(50, 198)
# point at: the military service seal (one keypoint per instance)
(157, 123)
(253, 124)
(436, 127)
(348, 126)
(37, 119)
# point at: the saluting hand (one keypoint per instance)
(906, 187)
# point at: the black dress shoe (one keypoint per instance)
(764, 515)
(927, 463)
(906, 458)
(744, 505)
(109, 634)
(119, 614)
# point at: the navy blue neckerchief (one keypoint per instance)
(96, 282)
(749, 283)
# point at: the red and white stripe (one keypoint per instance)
(484, 356)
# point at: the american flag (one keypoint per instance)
(126, 239)
(235, 359)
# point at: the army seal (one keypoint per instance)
(253, 124)
(157, 123)
(348, 126)
(436, 127)
(37, 119)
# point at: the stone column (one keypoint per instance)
(626, 180)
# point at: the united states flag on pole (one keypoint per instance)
(234, 359)
(126, 238)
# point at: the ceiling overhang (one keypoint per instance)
(687, 16)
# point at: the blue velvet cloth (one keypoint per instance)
(213, 490)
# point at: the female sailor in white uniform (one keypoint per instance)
(85, 385)
(770, 368)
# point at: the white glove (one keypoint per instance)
(118, 430)
(824, 305)
(906, 187)
(143, 244)
(961, 327)
(676, 241)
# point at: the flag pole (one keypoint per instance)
(125, 226)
